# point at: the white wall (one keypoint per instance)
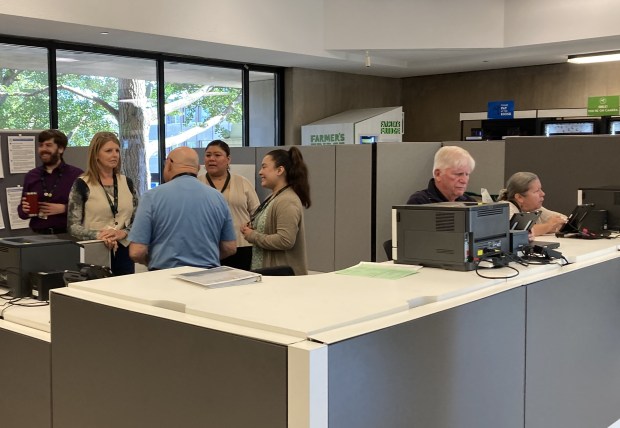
(407, 24)
(281, 25)
(546, 21)
(312, 27)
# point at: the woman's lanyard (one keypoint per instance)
(225, 183)
(113, 206)
(46, 193)
(262, 207)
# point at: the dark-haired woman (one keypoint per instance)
(277, 225)
(239, 194)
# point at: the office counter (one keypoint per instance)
(437, 349)
(25, 382)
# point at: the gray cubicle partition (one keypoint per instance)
(565, 164)
(573, 349)
(490, 164)
(402, 169)
(463, 367)
(25, 381)
(208, 378)
(239, 156)
(77, 156)
(353, 205)
(11, 180)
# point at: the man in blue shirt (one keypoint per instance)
(182, 222)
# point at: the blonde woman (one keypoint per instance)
(102, 202)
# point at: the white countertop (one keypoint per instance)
(309, 306)
(325, 307)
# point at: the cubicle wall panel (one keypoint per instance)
(353, 204)
(77, 156)
(240, 155)
(463, 367)
(12, 180)
(25, 382)
(402, 169)
(489, 171)
(565, 164)
(320, 218)
(573, 349)
(159, 373)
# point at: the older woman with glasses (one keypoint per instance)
(524, 193)
(103, 202)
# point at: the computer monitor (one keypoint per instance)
(604, 198)
(524, 220)
(573, 223)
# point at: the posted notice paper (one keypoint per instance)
(13, 199)
(21, 153)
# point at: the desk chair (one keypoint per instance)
(387, 246)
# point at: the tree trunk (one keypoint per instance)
(133, 123)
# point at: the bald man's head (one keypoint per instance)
(181, 160)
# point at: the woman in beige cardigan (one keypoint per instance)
(277, 226)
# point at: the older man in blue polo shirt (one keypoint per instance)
(182, 222)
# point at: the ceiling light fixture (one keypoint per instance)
(104, 33)
(594, 57)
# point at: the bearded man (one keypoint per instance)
(51, 182)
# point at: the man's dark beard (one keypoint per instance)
(53, 160)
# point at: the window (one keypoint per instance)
(109, 89)
(98, 92)
(206, 102)
(24, 88)
(262, 115)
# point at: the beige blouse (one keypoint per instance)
(242, 201)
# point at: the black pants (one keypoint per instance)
(121, 264)
(242, 259)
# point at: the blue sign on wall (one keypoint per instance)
(501, 110)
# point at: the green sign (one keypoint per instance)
(321, 139)
(390, 127)
(604, 106)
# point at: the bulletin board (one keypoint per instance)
(10, 180)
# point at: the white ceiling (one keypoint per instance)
(384, 62)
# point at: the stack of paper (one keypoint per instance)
(222, 276)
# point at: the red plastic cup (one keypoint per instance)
(33, 200)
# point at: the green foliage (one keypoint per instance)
(19, 111)
(227, 102)
(79, 117)
(87, 104)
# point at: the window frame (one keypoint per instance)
(160, 58)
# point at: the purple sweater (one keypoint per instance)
(58, 183)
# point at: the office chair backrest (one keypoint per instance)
(275, 271)
(387, 246)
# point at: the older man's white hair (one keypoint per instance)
(453, 157)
